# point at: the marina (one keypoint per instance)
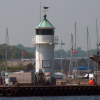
(42, 81)
(40, 77)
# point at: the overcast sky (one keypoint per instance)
(21, 16)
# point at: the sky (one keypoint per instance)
(22, 16)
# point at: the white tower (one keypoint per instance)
(45, 47)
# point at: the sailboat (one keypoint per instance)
(73, 60)
(96, 57)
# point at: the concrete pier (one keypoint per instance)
(15, 91)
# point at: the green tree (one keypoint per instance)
(60, 53)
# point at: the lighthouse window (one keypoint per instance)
(46, 64)
(44, 32)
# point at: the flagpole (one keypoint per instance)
(45, 9)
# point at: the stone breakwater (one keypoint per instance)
(61, 90)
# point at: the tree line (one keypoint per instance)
(15, 52)
(79, 53)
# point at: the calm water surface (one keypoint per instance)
(54, 98)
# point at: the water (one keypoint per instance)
(53, 98)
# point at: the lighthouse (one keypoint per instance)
(45, 43)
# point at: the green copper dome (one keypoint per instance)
(45, 24)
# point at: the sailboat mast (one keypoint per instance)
(75, 35)
(72, 41)
(61, 55)
(40, 11)
(88, 46)
(75, 49)
(6, 48)
(97, 37)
